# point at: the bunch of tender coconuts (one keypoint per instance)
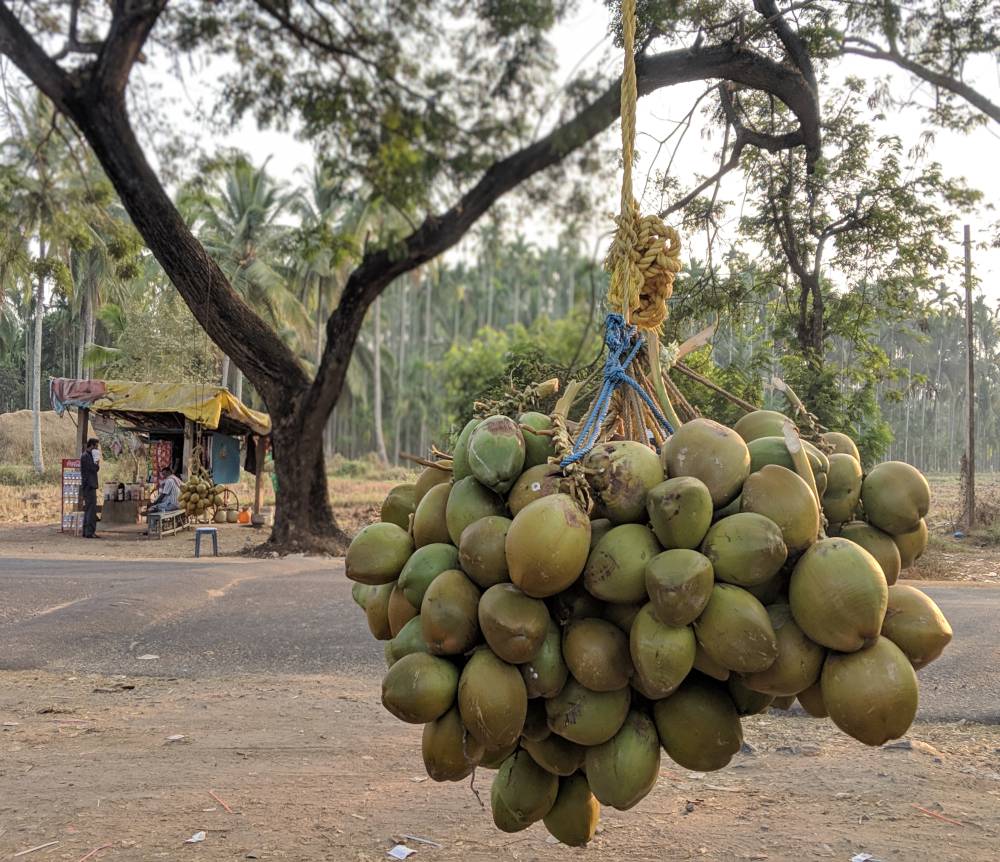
(564, 649)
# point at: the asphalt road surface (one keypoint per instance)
(211, 618)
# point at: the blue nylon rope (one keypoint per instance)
(618, 339)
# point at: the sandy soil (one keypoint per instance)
(313, 768)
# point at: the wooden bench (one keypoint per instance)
(167, 523)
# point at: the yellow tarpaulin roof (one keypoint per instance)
(197, 401)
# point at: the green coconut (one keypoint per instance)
(546, 673)
(536, 722)
(707, 665)
(880, 545)
(679, 583)
(838, 595)
(429, 524)
(623, 770)
(449, 614)
(811, 700)
(493, 758)
(621, 475)
(547, 545)
(597, 654)
(496, 453)
(513, 624)
(481, 551)
(622, 615)
(492, 700)
(423, 567)
(915, 624)
(460, 467)
(574, 817)
(735, 630)
(871, 694)
(599, 528)
(430, 477)
(773, 588)
(575, 603)
(731, 508)
(839, 443)
(378, 553)
(587, 717)
(745, 549)
(555, 754)
(746, 700)
(774, 450)
(912, 544)
(662, 655)
(410, 639)
(360, 593)
(468, 502)
(538, 448)
(615, 570)
(522, 793)
(711, 452)
(784, 497)
(377, 611)
(450, 752)
(799, 660)
(698, 725)
(399, 505)
(843, 488)
(399, 611)
(680, 512)
(895, 496)
(419, 688)
(761, 423)
(536, 482)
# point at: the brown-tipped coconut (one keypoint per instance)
(481, 551)
(399, 505)
(468, 502)
(493, 758)
(547, 545)
(399, 611)
(574, 816)
(811, 700)
(587, 717)
(522, 793)
(871, 694)
(680, 512)
(450, 752)
(596, 653)
(880, 545)
(621, 475)
(423, 567)
(735, 630)
(841, 443)
(843, 488)
(546, 674)
(513, 624)
(784, 497)
(698, 725)
(460, 454)
(419, 688)
(662, 655)
(555, 754)
(624, 769)
(912, 544)
(377, 611)
(679, 583)
(745, 549)
(535, 483)
(915, 624)
(895, 496)
(378, 553)
(492, 700)
(761, 423)
(711, 452)
(838, 595)
(798, 663)
(538, 448)
(430, 477)
(429, 524)
(746, 700)
(615, 570)
(449, 614)
(496, 453)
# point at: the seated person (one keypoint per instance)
(170, 490)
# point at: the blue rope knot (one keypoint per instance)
(618, 339)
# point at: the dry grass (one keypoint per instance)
(58, 437)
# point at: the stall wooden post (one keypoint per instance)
(258, 485)
(188, 449)
(82, 429)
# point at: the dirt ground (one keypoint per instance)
(312, 768)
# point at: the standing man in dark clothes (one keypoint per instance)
(90, 465)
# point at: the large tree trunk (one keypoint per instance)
(377, 373)
(38, 456)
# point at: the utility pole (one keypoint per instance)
(970, 385)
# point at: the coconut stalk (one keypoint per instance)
(799, 458)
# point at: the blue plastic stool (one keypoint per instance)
(206, 531)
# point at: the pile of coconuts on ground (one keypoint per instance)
(710, 581)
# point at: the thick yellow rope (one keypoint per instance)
(644, 257)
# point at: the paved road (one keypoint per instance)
(220, 617)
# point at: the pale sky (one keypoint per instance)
(583, 42)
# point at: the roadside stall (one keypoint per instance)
(174, 423)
